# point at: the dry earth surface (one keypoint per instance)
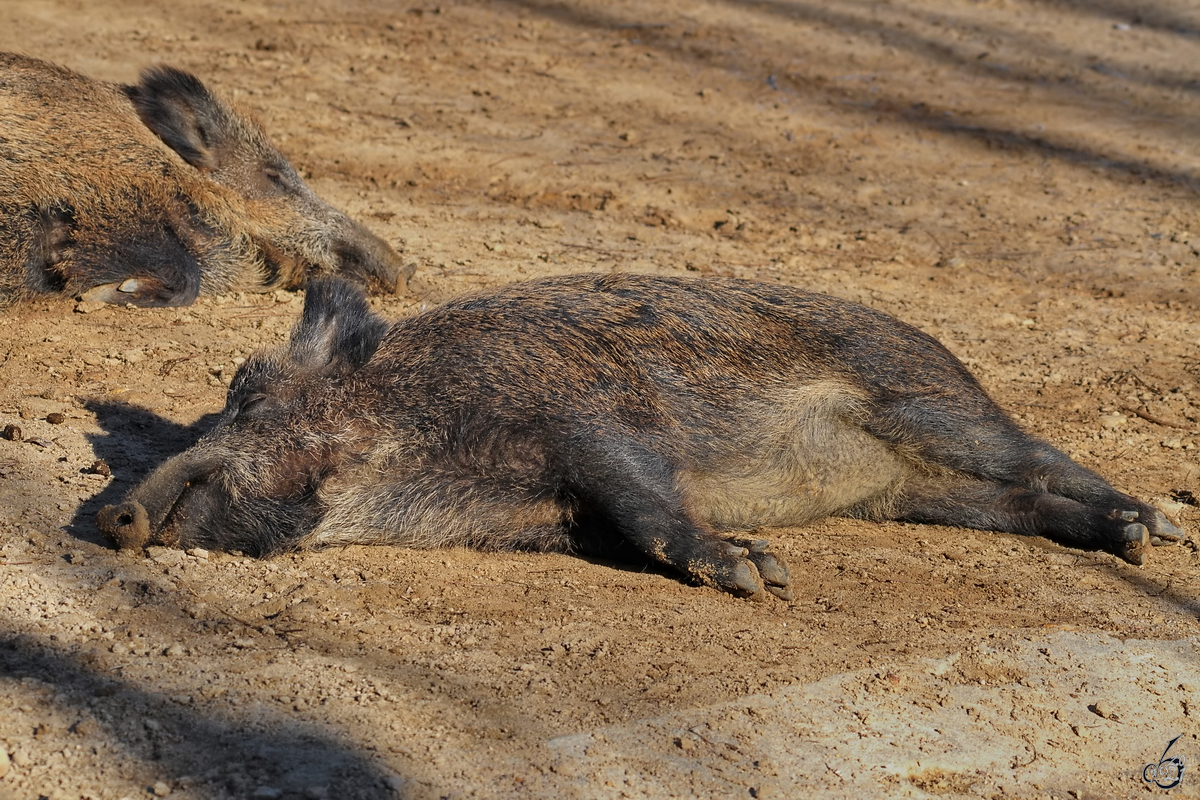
(1016, 177)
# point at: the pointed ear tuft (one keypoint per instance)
(181, 111)
(338, 332)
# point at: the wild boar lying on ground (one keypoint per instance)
(154, 193)
(656, 409)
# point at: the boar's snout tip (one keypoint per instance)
(367, 259)
(126, 525)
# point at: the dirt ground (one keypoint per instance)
(1016, 177)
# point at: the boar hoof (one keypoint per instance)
(1164, 532)
(1136, 539)
(774, 573)
(126, 525)
(745, 568)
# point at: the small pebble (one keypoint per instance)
(1111, 421)
(21, 758)
(56, 418)
(1102, 710)
(98, 467)
(167, 556)
(4, 763)
(13, 433)
(161, 789)
(118, 649)
(85, 727)
(175, 650)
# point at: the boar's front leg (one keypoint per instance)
(633, 488)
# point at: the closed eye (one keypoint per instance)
(277, 179)
(252, 402)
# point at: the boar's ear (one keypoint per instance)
(181, 111)
(338, 333)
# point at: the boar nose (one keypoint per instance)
(126, 525)
(364, 257)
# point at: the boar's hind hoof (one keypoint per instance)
(1136, 540)
(1163, 531)
(126, 525)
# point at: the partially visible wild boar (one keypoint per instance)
(654, 410)
(154, 193)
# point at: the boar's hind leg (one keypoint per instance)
(986, 505)
(634, 490)
(976, 438)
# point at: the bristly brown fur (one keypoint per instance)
(552, 413)
(154, 193)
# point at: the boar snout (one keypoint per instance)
(126, 525)
(175, 492)
(363, 257)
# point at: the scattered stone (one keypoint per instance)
(22, 758)
(13, 433)
(85, 727)
(175, 650)
(198, 552)
(118, 649)
(88, 306)
(1112, 421)
(161, 789)
(1103, 710)
(98, 467)
(167, 556)
(4, 762)
(56, 418)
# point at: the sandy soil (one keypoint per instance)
(1017, 177)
